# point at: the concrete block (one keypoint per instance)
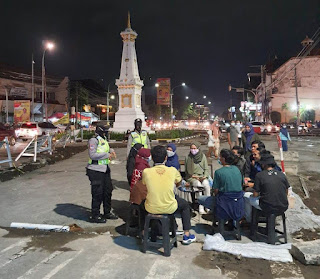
(307, 252)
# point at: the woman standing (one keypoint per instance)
(284, 137)
(142, 162)
(210, 143)
(173, 159)
(248, 136)
(197, 170)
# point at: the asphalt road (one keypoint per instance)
(60, 194)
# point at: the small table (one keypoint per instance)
(193, 190)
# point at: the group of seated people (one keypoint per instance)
(240, 184)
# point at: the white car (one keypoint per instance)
(30, 129)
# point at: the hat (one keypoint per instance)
(102, 129)
(267, 159)
(138, 120)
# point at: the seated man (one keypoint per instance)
(160, 181)
(227, 185)
(270, 189)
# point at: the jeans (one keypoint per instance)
(284, 145)
(207, 201)
(249, 201)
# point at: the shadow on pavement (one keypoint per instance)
(74, 211)
(121, 208)
(121, 185)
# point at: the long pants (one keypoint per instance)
(207, 201)
(240, 141)
(183, 209)
(205, 184)
(284, 145)
(234, 143)
(101, 191)
(249, 202)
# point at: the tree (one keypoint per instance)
(189, 113)
(285, 108)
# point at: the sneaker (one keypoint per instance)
(97, 219)
(188, 239)
(201, 209)
(111, 216)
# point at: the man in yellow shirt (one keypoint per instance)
(160, 181)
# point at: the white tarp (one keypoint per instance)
(278, 253)
(301, 217)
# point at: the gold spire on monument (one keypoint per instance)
(129, 21)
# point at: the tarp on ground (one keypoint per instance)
(258, 250)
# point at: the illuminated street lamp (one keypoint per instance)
(204, 97)
(209, 103)
(156, 85)
(187, 97)
(171, 95)
(48, 46)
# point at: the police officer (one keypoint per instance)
(98, 171)
(138, 136)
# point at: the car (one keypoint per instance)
(9, 132)
(30, 129)
(259, 127)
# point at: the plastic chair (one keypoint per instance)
(168, 225)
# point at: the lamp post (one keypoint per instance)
(48, 46)
(32, 86)
(108, 94)
(171, 102)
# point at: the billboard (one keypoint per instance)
(163, 91)
(21, 111)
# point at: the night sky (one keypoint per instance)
(207, 44)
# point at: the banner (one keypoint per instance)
(63, 120)
(21, 111)
(163, 91)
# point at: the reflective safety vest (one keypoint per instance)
(139, 138)
(103, 147)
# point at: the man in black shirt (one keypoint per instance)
(270, 189)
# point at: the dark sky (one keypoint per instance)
(208, 44)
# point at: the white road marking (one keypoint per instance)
(102, 268)
(61, 266)
(15, 256)
(36, 267)
(285, 270)
(20, 243)
(162, 269)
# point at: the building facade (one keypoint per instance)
(17, 85)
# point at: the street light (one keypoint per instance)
(204, 96)
(187, 97)
(171, 95)
(48, 46)
(156, 85)
(209, 103)
(112, 97)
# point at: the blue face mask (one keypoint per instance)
(219, 162)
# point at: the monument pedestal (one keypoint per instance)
(124, 120)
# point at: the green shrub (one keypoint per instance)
(117, 136)
(173, 134)
(87, 134)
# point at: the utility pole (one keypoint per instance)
(32, 86)
(297, 98)
(77, 101)
(7, 105)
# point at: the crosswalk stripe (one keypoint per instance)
(19, 243)
(16, 256)
(36, 267)
(161, 269)
(99, 270)
(61, 266)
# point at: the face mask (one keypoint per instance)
(219, 162)
(170, 153)
(149, 159)
(233, 124)
(194, 151)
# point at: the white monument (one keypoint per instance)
(129, 85)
